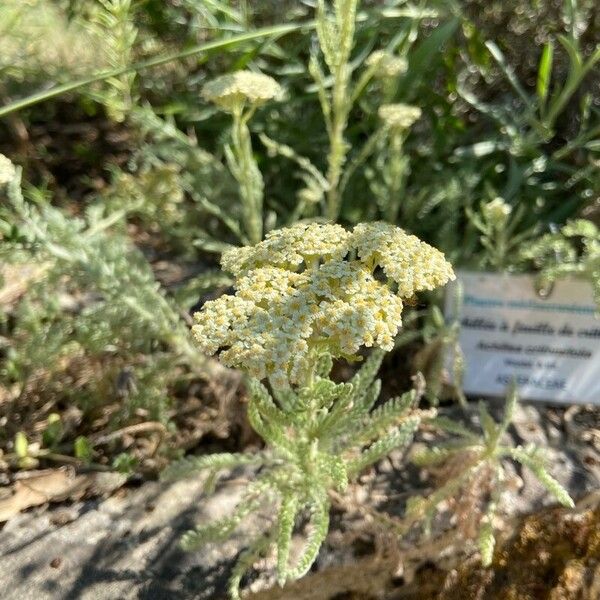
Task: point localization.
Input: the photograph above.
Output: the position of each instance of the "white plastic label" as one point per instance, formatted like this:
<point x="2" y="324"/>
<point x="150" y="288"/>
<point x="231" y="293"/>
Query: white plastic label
<point x="549" y="345"/>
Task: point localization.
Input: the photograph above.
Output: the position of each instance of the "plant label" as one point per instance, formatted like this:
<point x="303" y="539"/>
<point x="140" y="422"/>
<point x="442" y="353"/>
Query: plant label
<point x="549" y="344"/>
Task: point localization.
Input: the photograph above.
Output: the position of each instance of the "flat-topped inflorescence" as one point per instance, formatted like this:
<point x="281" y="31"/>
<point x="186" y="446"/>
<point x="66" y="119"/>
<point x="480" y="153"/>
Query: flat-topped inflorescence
<point x="240" y="88"/>
<point x="399" y="116"/>
<point x="312" y="288"/>
<point x="386" y="64"/>
<point x="497" y="211"/>
<point x="290" y="248"/>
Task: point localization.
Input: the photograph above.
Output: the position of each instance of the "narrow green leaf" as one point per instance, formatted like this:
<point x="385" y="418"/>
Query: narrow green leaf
<point x="488" y="425"/>
<point x="451" y="426"/>
<point x="319" y="526"/>
<point x="486" y="542"/>
<point x="530" y="458"/>
<point x="425" y="57"/>
<point x="555" y="488"/>
<point x="244" y="563"/>
<point x="508" y="71"/>
<point x="544" y="75"/>
<point x="193" y="464"/>
<point x="285" y="528"/>
<point x="436" y="455"/>
<point x="578" y="69"/>
<point x="58" y="90"/>
<point x="398" y="438"/>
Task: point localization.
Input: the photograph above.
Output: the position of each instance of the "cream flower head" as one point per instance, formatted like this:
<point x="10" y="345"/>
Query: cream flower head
<point x="289" y="248"/>
<point x="386" y="65"/>
<point x="236" y="89"/>
<point x="399" y="116"/>
<point x="7" y="170"/>
<point x="411" y="264"/>
<point x="497" y="211"/>
<point x="311" y="288"/>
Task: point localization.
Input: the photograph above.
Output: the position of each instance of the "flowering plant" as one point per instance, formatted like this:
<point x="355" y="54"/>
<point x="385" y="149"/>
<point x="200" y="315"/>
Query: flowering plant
<point x="311" y="289"/>
<point x="305" y="295"/>
<point x="240" y="94"/>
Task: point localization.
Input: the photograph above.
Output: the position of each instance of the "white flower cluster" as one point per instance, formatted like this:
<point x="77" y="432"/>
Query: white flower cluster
<point x="311" y="288"/>
<point x="399" y="116"/>
<point x="7" y="170"/>
<point x="386" y="65"/>
<point x="236" y="89"/>
<point x="289" y="248"/>
<point x="412" y="264"/>
<point x="497" y="211"/>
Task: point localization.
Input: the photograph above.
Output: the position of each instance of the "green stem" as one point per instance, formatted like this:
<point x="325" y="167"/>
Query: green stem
<point x="501" y="247"/>
<point x="365" y="152"/>
<point x="397" y="171"/>
<point x="338" y="147"/>
<point x="248" y="176"/>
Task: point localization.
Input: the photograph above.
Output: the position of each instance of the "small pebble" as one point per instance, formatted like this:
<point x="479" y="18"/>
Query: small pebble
<point x="63" y="517"/>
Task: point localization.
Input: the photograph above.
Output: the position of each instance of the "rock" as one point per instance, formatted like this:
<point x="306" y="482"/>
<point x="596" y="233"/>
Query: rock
<point x="127" y="545"/>
<point x="111" y="548"/>
<point x="36" y="488"/>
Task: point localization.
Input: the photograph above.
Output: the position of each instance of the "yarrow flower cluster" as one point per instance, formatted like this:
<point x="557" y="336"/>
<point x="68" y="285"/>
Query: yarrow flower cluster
<point x="387" y="65"/>
<point x="7" y="170"/>
<point x="236" y="89"/>
<point x="497" y="211"/>
<point x="290" y="248"/>
<point x="312" y="288"/>
<point x="399" y="116"/>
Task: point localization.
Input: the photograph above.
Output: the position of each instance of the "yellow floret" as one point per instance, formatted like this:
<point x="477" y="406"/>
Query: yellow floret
<point x="289" y="248"/>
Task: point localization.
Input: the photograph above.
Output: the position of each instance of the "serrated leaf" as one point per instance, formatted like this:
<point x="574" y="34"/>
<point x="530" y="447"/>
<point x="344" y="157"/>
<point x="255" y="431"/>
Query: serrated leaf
<point x="553" y="486"/>
<point x="486" y="542"/>
<point x="21" y="445"/>
<point x="318" y="528"/>
<point x="83" y="448"/>
<point x="285" y="528"/>
<point x="488" y="425"/>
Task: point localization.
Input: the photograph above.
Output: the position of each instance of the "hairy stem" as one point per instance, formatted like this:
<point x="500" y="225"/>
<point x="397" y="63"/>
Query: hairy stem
<point x="248" y="177"/>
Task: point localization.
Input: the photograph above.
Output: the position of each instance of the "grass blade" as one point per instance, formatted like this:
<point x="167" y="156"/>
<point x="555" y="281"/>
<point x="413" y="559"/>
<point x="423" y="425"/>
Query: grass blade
<point x="508" y="71"/>
<point x="275" y="31"/>
<point x="544" y="75"/>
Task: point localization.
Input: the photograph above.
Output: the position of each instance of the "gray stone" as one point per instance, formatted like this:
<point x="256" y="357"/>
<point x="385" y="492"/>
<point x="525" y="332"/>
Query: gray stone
<point x="126" y="546"/>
